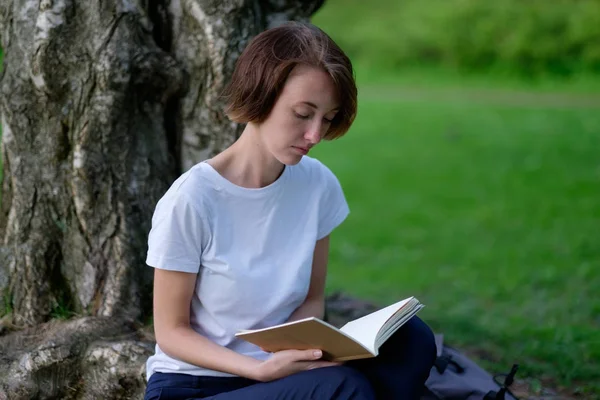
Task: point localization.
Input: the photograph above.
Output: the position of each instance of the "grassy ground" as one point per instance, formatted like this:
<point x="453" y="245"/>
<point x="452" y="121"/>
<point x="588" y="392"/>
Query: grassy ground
<point x="489" y="213"/>
<point x="534" y="38"/>
<point x="480" y="195"/>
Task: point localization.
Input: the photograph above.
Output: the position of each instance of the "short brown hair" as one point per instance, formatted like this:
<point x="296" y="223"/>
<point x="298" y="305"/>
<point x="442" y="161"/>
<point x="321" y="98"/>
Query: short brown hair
<point x="265" y="64"/>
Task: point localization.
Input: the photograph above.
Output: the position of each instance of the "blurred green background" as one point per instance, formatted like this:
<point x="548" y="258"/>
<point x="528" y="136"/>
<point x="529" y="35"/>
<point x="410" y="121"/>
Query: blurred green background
<point x="473" y="175"/>
<point x="533" y="37"/>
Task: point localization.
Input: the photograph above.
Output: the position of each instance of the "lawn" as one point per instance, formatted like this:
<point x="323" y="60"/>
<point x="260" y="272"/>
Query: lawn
<point x="478" y="193"/>
<point x="488" y="213"/>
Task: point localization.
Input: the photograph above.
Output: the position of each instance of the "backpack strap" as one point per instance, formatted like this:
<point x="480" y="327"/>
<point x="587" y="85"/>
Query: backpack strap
<point x="442" y="362"/>
<point x="493" y="395"/>
<point x="508" y="380"/>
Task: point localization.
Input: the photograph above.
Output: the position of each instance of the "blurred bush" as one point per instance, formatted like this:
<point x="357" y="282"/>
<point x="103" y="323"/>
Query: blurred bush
<point x="530" y="37"/>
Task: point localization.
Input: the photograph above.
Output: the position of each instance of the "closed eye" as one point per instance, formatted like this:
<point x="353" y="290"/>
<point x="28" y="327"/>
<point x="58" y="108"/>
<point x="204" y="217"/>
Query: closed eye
<point x="301" y="116"/>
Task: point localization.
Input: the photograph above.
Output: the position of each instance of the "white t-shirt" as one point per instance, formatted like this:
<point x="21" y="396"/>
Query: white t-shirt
<point x="251" y="248"/>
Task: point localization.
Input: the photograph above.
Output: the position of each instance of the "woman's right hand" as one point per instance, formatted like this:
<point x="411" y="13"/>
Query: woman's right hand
<point x="288" y="362"/>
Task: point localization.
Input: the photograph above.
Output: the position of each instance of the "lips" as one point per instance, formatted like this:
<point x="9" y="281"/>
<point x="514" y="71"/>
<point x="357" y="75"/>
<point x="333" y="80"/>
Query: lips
<point x="301" y="150"/>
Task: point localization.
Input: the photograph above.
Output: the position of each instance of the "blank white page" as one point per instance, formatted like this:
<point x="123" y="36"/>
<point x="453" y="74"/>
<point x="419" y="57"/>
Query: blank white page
<point x="364" y="330"/>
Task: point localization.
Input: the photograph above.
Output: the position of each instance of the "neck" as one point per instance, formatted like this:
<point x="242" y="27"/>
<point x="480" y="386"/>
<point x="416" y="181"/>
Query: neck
<point x="247" y="163"/>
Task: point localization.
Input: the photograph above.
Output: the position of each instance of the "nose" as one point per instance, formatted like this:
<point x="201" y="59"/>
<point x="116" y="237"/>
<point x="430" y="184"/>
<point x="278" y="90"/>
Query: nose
<point x="313" y="135"/>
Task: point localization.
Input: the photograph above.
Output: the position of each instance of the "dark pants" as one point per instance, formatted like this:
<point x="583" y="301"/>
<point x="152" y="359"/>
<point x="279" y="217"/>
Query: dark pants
<point x="398" y="372"/>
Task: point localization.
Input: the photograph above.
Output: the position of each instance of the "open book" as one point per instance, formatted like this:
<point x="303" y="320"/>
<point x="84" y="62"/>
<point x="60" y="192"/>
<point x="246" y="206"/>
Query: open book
<point x="360" y="338"/>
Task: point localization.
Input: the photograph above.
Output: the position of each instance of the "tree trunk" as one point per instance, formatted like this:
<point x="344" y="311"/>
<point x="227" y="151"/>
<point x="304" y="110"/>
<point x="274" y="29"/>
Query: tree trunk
<point x="103" y="103"/>
<point x="99" y="357"/>
<point x="85" y="155"/>
<point x="208" y="37"/>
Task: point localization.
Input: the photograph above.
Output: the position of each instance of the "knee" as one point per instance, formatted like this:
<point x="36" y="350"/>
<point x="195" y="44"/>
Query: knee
<point x="423" y="341"/>
<point x="347" y="383"/>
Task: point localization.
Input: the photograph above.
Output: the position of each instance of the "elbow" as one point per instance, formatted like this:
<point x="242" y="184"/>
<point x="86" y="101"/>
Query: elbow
<point x="161" y="336"/>
<point x="161" y="340"/>
<point x="167" y="338"/>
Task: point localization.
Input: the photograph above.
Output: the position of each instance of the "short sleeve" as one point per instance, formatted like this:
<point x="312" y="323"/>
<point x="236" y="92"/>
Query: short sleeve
<point x="175" y="239"/>
<point x="334" y="207"/>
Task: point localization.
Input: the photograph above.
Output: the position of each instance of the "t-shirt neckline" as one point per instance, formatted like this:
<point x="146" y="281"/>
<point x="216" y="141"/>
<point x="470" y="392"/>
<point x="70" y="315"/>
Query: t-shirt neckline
<point x="226" y="184"/>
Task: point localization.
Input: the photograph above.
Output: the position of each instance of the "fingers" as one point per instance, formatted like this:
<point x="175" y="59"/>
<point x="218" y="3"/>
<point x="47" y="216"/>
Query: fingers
<point x="316" y="354"/>
<point x="305" y="355"/>
<point x="322" y="364"/>
<point x="327" y="364"/>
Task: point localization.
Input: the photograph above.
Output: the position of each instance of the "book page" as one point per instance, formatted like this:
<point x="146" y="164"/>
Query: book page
<point x="396" y="322"/>
<point x="364" y="330"/>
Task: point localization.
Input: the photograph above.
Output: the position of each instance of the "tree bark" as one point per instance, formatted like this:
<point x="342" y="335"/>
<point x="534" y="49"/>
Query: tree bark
<point x="208" y="37"/>
<point x="99" y="357"/>
<point x="103" y="103"/>
<point x="85" y="155"/>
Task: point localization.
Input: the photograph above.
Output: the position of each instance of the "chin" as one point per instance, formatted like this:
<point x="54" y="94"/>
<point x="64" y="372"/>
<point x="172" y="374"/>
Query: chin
<point x="290" y="159"/>
<point x="293" y="162"/>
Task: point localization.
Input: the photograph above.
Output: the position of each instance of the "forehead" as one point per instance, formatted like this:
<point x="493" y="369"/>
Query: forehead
<point x="310" y="84"/>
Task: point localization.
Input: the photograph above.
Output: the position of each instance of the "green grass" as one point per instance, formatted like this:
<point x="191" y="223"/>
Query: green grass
<point x="435" y="77"/>
<point x="488" y="214"/>
<point x="477" y="192"/>
<point x="535" y="38"/>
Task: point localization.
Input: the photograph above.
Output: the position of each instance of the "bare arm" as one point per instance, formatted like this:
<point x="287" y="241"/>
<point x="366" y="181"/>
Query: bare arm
<point x="173" y="292"/>
<point x="314" y="304"/>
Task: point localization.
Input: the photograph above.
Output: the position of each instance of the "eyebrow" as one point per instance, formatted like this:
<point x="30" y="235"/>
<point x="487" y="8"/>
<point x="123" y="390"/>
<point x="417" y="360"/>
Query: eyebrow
<point x="313" y="105"/>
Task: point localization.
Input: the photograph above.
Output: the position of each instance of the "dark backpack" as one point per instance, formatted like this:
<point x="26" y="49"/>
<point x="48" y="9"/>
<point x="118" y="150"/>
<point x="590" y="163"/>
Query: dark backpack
<point x="454" y="377"/>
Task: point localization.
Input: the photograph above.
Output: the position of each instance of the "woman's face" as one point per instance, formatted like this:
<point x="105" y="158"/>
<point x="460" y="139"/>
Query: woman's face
<point x="301" y="115"/>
